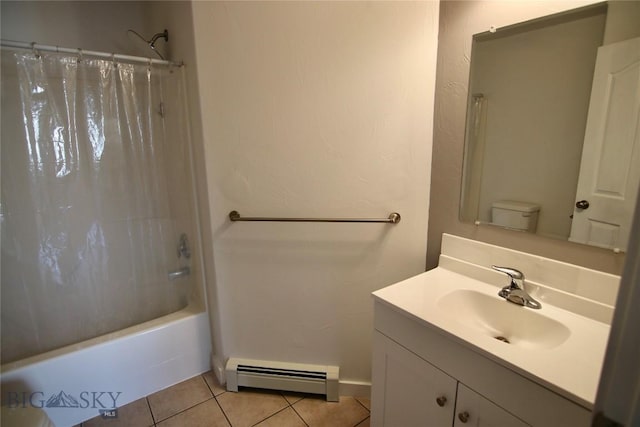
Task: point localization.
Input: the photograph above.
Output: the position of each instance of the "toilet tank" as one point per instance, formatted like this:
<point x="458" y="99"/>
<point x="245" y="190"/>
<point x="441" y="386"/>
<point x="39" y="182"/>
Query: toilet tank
<point x="515" y="215"/>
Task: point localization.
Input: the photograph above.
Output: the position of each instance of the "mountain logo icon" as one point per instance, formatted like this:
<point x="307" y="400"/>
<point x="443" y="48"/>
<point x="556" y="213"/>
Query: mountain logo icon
<point x="62" y="400"/>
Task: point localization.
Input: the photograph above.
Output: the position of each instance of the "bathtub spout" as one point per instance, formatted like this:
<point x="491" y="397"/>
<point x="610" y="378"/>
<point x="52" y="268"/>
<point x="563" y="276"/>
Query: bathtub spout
<point x="175" y="274"/>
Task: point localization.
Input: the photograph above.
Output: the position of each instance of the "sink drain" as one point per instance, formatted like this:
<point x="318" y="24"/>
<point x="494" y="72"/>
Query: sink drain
<point x="503" y="339"/>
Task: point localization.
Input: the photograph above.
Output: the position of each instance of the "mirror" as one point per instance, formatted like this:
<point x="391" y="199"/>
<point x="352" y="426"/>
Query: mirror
<point x="544" y="153"/>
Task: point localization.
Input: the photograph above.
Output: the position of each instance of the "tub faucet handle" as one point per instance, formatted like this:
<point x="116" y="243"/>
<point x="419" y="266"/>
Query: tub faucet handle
<point x="182" y="272"/>
<point x="183" y="246"/>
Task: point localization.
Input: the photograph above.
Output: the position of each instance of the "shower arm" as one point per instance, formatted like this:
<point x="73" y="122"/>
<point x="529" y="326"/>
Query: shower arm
<point x="152" y="42"/>
<point x="164" y="35"/>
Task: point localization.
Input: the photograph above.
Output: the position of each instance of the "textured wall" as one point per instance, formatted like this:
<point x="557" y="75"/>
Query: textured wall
<point x="623" y="17"/>
<point x="459" y="20"/>
<point x="314" y="109"/>
<point x="92" y="25"/>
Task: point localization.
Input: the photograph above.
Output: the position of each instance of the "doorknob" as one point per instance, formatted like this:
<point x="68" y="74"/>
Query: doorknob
<point x="582" y="204"/>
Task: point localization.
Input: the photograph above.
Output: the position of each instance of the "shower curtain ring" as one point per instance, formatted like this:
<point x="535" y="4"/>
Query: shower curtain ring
<point x="35" y="51"/>
<point x="113" y="60"/>
<point x="79" y="55"/>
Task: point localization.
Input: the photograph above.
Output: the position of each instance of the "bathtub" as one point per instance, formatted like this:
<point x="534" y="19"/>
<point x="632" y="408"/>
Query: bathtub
<point x="81" y="381"/>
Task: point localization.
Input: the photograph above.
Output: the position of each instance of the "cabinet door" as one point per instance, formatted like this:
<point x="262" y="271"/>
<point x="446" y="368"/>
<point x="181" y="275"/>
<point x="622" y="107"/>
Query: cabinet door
<point x="474" y="410"/>
<point x="408" y="391"/>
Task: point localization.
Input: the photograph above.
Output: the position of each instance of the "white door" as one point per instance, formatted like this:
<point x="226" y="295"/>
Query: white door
<point x="610" y="167"/>
<point x="407" y="390"/>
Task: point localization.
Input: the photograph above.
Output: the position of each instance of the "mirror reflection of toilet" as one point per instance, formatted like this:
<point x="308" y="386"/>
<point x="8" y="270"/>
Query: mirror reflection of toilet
<point x="515" y="215"/>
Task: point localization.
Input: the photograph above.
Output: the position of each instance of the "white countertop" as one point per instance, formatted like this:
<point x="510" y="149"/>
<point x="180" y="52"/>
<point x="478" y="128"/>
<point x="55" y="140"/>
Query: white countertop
<point x="571" y="368"/>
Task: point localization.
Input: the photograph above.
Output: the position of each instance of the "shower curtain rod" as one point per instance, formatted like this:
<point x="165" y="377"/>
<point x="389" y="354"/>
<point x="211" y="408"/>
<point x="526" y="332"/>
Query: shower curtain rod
<point x="81" y="53"/>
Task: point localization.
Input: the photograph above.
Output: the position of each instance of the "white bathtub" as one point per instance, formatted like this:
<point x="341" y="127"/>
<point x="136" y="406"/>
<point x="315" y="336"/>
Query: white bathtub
<point x="119" y="367"/>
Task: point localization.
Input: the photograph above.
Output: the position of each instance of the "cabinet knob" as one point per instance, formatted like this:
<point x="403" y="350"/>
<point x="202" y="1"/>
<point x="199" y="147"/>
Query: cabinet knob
<point x="441" y="400"/>
<point x="463" y="416"/>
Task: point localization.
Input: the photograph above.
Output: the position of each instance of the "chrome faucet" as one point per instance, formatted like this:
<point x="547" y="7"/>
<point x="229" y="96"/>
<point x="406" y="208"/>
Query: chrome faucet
<point x="514" y="292"/>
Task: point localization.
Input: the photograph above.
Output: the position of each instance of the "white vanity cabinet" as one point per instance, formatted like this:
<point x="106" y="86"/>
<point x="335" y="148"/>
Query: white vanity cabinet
<point x="409" y="391"/>
<point x="424" y="377"/>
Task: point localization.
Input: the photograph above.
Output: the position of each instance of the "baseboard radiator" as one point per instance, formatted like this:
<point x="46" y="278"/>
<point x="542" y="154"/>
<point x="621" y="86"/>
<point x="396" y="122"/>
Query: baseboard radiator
<point x="316" y="379"/>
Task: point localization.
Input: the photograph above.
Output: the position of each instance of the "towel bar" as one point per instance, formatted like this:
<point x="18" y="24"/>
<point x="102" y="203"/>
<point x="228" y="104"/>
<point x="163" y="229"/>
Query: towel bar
<point x="393" y="218"/>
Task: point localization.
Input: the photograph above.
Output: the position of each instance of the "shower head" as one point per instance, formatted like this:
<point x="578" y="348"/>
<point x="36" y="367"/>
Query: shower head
<point x="151" y="43"/>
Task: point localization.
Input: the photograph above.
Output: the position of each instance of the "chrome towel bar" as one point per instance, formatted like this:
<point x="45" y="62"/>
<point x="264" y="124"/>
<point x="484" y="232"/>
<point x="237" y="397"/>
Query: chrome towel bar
<point x="393" y="218"/>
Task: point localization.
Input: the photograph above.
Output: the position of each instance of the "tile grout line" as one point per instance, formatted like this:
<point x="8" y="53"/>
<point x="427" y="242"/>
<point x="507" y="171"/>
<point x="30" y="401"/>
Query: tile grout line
<point x="294" y="409"/>
<point x="189" y="408"/>
<point x="361" y="404"/>
<point x="368" y="412"/>
<point x="272" y="415"/>
<point x="221" y="408"/>
<point x="298" y="414"/>
<point x="361" y="421"/>
<point x="146" y="399"/>
<point x="186" y="409"/>
<point x="213" y="393"/>
<point x="207" y="383"/>
<point x="288" y="405"/>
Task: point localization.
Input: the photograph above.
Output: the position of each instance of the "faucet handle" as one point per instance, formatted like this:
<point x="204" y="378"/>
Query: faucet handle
<point x="514" y="291"/>
<point x="511" y="272"/>
<point x="516" y="277"/>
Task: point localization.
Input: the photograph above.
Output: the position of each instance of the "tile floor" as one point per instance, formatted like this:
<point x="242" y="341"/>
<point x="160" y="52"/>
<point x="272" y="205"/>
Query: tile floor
<point x="201" y="401"/>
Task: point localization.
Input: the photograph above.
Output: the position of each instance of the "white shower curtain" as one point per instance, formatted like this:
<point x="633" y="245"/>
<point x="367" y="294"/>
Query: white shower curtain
<point x="473" y="158"/>
<point x="89" y="222"/>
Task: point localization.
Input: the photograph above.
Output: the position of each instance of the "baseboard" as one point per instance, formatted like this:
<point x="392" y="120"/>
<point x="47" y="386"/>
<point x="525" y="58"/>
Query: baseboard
<point x="355" y="389"/>
<point x="218" y="369"/>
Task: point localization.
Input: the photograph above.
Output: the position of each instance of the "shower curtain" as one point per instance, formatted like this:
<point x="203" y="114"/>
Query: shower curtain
<point x="473" y="158"/>
<point x="94" y="198"/>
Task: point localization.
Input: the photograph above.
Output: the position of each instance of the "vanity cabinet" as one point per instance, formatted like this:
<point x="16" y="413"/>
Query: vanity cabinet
<point x="409" y="391"/>
<point x="425" y="377"/>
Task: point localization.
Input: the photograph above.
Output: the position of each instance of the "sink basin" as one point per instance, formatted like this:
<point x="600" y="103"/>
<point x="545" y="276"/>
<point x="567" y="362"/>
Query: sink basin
<point x="561" y="346"/>
<point x="505" y="321"/>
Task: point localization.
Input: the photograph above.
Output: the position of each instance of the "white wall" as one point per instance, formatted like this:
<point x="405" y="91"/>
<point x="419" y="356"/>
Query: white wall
<point x="622" y="21"/>
<point x="92" y="25"/>
<point x="314" y="109"/>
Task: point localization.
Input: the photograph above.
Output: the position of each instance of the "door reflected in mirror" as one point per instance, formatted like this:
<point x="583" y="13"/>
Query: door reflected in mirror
<point x="544" y="152"/>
